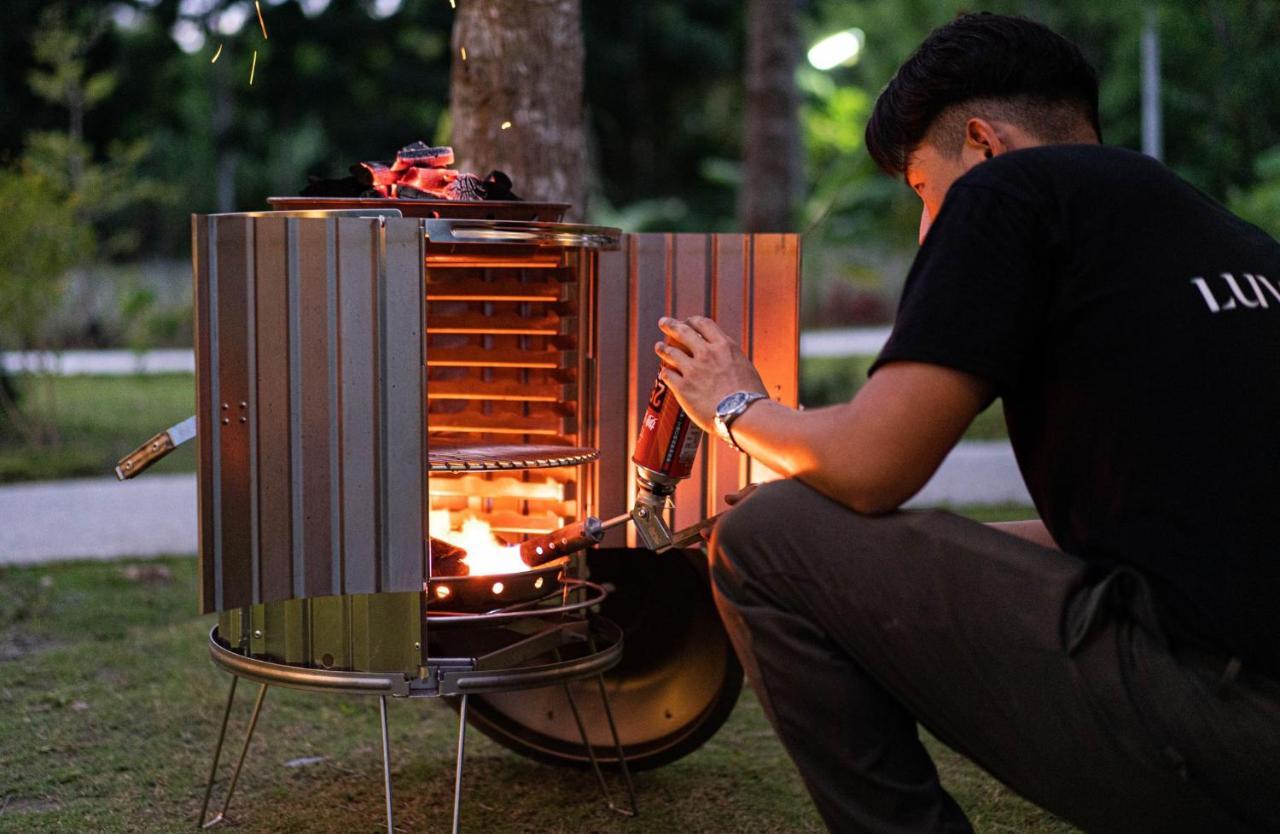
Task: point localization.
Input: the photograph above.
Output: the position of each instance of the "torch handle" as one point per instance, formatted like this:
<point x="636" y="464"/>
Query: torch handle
<point x="557" y="543"/>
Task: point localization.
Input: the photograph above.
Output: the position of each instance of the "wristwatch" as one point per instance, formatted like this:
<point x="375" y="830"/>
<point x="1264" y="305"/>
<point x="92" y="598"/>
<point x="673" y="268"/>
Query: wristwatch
<point x="730" y="409"/>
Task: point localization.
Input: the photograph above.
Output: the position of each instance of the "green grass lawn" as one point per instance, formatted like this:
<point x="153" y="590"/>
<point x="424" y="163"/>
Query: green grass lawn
<point x="831" y="380"/>
<point x="109" y="707"/>
<point x="99" y="419"/>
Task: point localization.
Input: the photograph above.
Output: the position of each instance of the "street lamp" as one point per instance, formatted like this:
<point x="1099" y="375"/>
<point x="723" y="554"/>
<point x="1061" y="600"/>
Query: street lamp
<point x="839" y="50"/>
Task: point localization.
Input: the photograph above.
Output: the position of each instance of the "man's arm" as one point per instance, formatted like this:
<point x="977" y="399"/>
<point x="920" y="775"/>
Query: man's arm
<point x="870" y="454"/>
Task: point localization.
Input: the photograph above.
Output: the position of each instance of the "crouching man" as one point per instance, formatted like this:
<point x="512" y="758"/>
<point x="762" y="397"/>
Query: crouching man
<point x="1115" y="661"/>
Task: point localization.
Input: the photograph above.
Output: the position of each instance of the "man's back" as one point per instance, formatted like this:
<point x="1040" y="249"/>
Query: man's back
<point x="1132" y="327"/>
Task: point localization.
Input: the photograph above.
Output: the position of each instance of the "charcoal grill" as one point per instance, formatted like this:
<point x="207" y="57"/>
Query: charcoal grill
<point x="358" y="369"/>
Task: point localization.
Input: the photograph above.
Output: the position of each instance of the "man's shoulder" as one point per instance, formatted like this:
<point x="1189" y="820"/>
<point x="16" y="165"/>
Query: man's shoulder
<point x="1050" y="168"/>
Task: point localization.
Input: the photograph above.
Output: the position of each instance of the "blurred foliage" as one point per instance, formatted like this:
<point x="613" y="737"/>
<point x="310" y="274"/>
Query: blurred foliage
<point x="342" y="81"/>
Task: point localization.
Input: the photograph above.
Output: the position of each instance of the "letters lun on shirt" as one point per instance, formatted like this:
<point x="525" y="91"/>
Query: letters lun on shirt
<point x="1237" y="295"/>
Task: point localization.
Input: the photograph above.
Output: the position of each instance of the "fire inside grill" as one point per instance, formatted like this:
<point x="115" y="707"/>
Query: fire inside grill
<point x="419" y="171"/>
<point x="472" y="550"/>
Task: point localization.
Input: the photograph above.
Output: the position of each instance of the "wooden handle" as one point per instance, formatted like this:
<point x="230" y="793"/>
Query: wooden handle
<point x="142" y="457"/>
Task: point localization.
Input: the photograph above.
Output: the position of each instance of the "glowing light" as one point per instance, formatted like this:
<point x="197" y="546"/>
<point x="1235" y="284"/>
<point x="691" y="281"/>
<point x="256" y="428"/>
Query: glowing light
<point x="453" y="4"/>
<point x="464" y="53"/>
<point x="442" y="591"/>
<point x="253" y="67"/>
<point x="485" y="554"/>
<point x="840" y="49"/>
<point x="506" y="125"/>
<point x="498" y="587"/>
<point x="188" y="35"/>
<point x="537" y="583"/>
<point x="217" y="55"/>
<point x="261" y="22"/>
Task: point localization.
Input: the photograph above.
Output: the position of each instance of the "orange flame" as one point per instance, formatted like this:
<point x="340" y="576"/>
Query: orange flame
<point x="485" y="554"/>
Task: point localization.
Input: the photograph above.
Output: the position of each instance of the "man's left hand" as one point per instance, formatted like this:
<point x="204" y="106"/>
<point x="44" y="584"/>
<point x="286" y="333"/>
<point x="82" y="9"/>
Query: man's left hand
<point x="703" y="367"/>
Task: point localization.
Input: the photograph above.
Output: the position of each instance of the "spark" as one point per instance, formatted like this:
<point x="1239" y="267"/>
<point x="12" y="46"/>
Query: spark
<point x="253" y="67"/>
<point x="453" y="4"/>
<point x="217" y="54"/>
<point x="464" y="53"/>
<point x="506" y="125"/>
<point x="261" y="22"/>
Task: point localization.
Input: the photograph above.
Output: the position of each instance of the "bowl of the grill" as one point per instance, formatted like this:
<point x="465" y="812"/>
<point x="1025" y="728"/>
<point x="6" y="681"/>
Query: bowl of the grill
<point x="493" y="592"/>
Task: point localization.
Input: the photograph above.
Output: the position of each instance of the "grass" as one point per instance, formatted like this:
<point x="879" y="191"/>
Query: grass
<point x="830" y="380"/>
<point x="109" y="708"/>
<point x="99" y="419"/>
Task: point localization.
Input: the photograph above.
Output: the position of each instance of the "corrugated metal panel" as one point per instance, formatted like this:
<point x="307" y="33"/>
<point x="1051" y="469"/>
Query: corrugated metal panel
<point x="750" y="284"/>
<point x="312" y="477"/>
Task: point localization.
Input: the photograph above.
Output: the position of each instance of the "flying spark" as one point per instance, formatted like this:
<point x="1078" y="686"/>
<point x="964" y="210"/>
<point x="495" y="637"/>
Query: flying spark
<point x="453" y="4"/>
<point x="464" y="53"/>
<point x="261" y="22"/>
<point x="506" y="125"/>
<point x="253" y="67"/>
<point x="217" y="54"/>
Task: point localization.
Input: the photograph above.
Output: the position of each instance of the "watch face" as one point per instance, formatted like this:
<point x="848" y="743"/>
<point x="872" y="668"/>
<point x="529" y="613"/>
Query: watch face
<point x="731" y="403"/>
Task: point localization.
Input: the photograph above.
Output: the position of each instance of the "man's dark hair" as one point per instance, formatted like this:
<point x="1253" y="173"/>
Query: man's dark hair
<point x="1012" y="68"/>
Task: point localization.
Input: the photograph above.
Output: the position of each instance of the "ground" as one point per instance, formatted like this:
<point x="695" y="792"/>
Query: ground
<point x="109" y="708"/>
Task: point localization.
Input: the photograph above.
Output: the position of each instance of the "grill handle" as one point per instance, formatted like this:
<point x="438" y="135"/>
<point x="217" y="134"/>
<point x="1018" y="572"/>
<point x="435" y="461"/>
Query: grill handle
<point x="521" y="233"/>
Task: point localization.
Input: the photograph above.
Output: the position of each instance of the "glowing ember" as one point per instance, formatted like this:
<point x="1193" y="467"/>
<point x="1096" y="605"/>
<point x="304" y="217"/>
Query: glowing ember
<point x="506" y="125"/>
<point x="217" y="55"/>
<point x="253" y="67"/>
<point x="261" y="22"/>
<point x="464" y="53"/>
<point x="485" y="554"/>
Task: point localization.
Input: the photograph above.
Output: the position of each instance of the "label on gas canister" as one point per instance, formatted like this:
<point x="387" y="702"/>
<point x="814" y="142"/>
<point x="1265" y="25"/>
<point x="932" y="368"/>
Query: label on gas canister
<point x="668" y="440"/>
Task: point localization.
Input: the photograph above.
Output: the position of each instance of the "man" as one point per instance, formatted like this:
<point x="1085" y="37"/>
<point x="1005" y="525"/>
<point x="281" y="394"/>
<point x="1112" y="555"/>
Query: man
<point x="1116" y="661"/>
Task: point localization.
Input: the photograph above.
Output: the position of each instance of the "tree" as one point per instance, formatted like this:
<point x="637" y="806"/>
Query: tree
<point x="516" y="98"/>
<point x="772" y="173"/>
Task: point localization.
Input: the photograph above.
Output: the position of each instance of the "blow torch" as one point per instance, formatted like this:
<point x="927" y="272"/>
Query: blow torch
<point x="665" y="448"/>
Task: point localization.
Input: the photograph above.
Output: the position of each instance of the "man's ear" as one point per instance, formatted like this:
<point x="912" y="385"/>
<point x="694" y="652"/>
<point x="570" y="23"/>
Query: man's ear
<point x="981" y="137"/>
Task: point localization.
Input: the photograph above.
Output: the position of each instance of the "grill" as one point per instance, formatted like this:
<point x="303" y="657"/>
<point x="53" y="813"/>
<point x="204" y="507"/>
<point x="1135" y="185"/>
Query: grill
<point x="364" y="376"/>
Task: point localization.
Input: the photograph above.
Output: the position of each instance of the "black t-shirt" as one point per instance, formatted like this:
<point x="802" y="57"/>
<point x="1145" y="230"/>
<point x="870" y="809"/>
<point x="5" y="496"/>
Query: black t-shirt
<point x="1131" y="326"/>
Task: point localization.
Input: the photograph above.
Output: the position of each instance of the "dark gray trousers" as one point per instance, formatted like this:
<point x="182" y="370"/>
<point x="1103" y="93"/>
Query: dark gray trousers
<point x="1055" y="678"/>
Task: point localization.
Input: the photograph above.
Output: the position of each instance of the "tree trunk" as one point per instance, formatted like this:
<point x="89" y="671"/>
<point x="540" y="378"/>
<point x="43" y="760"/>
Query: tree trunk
<point x="523" y="68"/>
<point x="772" y="168"/>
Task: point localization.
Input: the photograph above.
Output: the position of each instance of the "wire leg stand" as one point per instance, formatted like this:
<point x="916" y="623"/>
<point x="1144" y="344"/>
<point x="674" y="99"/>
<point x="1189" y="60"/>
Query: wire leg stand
<point x="244" y="751"/>
<point x="457" y="772"/>
<point x="217" y="752"/>
<point x="386" y="760"/>
<point x="595" y="762"/>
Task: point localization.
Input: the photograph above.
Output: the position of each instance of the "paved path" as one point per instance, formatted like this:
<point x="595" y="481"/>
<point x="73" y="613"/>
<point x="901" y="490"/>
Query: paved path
<point x="99" y="518"/>
<point x="102" y="518"/>
<point x="101" y="362"/>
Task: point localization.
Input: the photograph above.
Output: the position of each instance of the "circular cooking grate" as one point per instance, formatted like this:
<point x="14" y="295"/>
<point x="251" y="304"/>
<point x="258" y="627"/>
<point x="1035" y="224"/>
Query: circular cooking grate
<point x="454" y="456"/>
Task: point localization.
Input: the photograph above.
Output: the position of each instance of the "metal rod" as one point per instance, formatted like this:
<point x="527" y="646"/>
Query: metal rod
<point x="386" y="761"/>
<point x="634" y="810"/>
<point x="217" y="752"/>
<point x="586" y="742"/>
<point x="248" y="737"/>
<point x="457" y="770"/>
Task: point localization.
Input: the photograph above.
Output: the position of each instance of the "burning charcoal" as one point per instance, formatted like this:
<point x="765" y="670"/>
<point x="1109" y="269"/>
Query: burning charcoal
<point x="497" y="186"/>
<point x="446" y="559"/>
<point x="433" y="180"/>
<point x="419" y="154"/>
<point x="465" y="187"/>
<point x="374" y="173"/>
<point x="345" y="187"/>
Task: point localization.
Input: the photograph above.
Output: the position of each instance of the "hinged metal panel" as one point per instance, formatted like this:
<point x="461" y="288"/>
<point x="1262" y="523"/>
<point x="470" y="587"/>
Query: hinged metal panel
<point x="311" y="393"/>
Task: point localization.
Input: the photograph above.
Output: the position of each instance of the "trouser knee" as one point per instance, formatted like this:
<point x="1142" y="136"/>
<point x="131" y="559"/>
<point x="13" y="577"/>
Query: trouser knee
<point x="749" y="537"/>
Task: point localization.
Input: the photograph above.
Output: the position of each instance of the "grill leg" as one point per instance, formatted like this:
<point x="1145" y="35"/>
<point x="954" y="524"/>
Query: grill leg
<point x="217" y="752"/>
<point x="634" y="809"/>
<point x="386" y="761"/>
<point x="244" y="750"/>
<point x="457" y="771"/>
